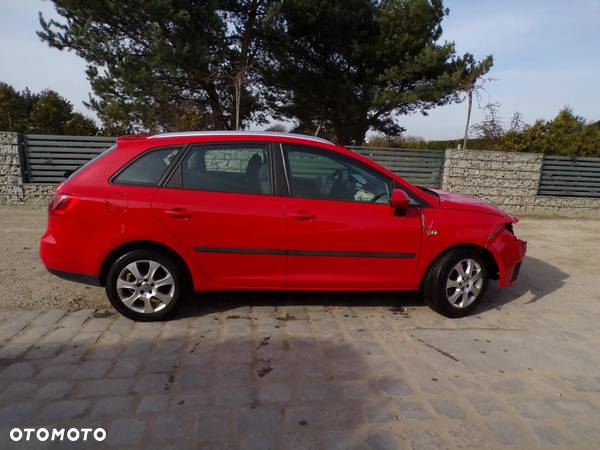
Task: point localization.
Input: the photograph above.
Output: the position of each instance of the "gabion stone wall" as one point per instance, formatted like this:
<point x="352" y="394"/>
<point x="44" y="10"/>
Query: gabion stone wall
<point x="12" y="189"/>
<point x="11" y="186"/>
<point x="510" y="180"/>
<point x="38" y="194"/>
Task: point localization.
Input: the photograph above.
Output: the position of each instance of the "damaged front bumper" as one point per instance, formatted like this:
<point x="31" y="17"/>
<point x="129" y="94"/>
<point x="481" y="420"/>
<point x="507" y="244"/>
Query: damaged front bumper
<point x="509" y="252"/>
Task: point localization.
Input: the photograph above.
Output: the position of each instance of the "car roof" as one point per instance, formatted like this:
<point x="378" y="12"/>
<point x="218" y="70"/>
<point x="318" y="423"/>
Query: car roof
<point x="239" y="133"/>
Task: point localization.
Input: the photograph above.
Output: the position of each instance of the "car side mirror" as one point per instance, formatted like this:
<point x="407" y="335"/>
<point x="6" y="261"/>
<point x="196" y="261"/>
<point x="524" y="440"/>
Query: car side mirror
<point x="399" y="200"/>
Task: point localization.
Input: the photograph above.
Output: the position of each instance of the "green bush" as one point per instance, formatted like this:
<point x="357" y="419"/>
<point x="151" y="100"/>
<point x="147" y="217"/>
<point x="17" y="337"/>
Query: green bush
<point x="567" y="134"/>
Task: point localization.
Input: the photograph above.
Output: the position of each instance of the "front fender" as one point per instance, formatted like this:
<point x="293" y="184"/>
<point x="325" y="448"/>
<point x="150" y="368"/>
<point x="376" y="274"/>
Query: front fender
<point x="444" y="229"/>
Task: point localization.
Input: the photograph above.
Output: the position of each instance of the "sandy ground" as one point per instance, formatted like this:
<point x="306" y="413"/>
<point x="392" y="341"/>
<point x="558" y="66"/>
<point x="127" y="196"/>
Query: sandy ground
<point x="561" y="252"/>
<point x="24" y="281"/>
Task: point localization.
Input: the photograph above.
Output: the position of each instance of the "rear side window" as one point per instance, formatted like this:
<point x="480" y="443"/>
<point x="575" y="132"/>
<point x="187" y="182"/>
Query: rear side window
<point x="148" y="169"/>
<point x="239" y="168"/>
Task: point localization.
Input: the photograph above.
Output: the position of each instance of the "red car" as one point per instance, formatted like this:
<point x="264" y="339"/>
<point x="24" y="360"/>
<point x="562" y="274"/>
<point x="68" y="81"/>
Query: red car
<point x="155" y="216"/>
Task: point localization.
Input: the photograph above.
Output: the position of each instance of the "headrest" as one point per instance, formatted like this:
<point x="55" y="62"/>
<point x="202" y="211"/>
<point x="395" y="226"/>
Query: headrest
<point x="196" y="162"/>
<point x="254" y="165"/>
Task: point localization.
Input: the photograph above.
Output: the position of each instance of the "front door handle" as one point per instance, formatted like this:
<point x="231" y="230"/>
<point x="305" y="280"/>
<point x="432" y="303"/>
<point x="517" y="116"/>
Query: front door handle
<point x="178" y="213"/>
<point x="303" y="215"/>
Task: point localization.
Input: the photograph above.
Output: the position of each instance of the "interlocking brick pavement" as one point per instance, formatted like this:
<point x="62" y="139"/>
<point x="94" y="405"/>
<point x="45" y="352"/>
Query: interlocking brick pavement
<point x="359" y="372"/>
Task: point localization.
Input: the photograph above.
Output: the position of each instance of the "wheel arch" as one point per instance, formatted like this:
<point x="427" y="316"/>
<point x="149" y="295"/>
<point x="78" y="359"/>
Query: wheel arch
<point x="146" y="245"/>
<point x="490" y="260"/>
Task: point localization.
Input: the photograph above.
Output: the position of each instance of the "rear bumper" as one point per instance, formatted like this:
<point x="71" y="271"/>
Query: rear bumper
<point x="68" y="258"/>
<point x="77" y="277"/>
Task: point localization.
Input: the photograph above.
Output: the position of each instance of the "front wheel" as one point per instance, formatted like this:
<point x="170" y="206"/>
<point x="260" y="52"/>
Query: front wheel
<point x="144" y="285"/>
<point x="456" y="283"/>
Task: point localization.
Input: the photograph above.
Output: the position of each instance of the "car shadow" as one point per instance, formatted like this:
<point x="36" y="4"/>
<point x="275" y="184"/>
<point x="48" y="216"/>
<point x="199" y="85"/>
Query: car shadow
<point x="537" y="277"/>
<point x="213" y="302"/>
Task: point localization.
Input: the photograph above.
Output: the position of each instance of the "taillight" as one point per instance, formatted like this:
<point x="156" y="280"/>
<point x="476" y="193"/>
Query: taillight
<point x="62" y="204"/>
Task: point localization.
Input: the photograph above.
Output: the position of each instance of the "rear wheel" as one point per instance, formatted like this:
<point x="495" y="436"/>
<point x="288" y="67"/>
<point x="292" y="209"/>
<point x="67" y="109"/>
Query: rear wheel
<point x="144" y="285"/>
<point x="456" y="282"/>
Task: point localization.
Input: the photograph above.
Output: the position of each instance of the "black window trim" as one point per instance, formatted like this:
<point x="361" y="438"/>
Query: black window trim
<point x="420" y="203"/>
<point x="169" y="183"/>
<point x="283" y="168"/>
<point x="179" y="148"/>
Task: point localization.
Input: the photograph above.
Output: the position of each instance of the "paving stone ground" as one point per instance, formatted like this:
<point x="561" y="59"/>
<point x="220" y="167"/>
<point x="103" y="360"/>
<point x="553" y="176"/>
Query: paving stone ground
<point x="326" y="371"/>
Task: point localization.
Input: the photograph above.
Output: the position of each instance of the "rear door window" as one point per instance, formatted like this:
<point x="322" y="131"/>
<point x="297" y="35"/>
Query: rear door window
<point x="239" y="168"/>
<point x="148" y="169"/>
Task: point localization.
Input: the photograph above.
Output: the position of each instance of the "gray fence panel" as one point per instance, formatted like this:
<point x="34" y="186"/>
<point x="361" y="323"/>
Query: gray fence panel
<point x="422" y="167"/>
<point x="49" y="157"/>
<point x="570" y="176"/>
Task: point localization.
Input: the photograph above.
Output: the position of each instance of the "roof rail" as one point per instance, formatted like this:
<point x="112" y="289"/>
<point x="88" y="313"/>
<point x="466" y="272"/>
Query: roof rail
<point x="239" y="133"/>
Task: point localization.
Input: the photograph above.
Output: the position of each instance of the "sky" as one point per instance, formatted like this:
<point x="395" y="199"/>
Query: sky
<point x="546" y="56"/>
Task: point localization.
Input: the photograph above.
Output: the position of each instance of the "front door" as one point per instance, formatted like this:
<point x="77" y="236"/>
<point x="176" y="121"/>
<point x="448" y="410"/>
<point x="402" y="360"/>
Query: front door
<point x="220" y="205"/>
<point x="342" y="233"/>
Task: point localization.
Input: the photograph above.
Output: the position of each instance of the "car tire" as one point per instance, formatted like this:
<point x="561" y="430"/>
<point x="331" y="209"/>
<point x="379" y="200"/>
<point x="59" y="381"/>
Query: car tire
<point x="145" y="285"/>
<point x="456" y="282"/>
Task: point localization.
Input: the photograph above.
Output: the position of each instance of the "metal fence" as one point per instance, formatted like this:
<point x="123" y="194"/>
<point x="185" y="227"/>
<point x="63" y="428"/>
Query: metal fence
<point x="570" y="176"/>
<point x="49" y="157"/>
<point x="421" y="167"/>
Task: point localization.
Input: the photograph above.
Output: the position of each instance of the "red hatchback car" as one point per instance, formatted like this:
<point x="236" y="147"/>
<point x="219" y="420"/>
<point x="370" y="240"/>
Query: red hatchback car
<point x="155" y="216"/>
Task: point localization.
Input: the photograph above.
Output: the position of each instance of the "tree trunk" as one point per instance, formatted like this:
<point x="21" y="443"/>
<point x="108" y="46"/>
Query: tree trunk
<point x="238" y="85"/>
<point x="351" y="135"/>
<point x="244" y="61"/>
<point x="217" y="116"/>
<point x="469" y="106"/>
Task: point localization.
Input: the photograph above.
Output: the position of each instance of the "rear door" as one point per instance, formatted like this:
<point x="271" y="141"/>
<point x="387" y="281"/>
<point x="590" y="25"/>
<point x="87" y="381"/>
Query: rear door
<point x="342" y="232"/>
<point x="219" y="204"/>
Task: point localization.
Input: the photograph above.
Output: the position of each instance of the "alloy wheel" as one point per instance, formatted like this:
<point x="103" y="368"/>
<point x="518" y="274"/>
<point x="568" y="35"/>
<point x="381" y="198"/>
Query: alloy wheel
<point x="145" y="286"/>
<point x="464" y="283"/>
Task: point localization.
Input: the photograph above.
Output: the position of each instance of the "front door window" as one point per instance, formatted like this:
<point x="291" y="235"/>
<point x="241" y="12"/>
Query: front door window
<point x="327" y="176"/>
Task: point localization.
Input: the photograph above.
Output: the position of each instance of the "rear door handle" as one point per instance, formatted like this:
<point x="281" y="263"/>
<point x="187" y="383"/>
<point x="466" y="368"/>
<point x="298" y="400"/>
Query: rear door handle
<point x="303" y="215"/>
<point x="178" y="213"/>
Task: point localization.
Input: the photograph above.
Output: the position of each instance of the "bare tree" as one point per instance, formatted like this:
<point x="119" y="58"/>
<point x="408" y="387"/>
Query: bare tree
<point x="491" y="127"/>
<point x="247" y="29"/>
<point x="474" y="90"/>
<point x="474" y="86"/>
<point x="517" y="124"/>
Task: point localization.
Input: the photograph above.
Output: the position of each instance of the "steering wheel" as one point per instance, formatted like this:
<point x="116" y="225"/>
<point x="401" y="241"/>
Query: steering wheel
<point x="377" y="197"/>
<point x="337" y="175"/>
